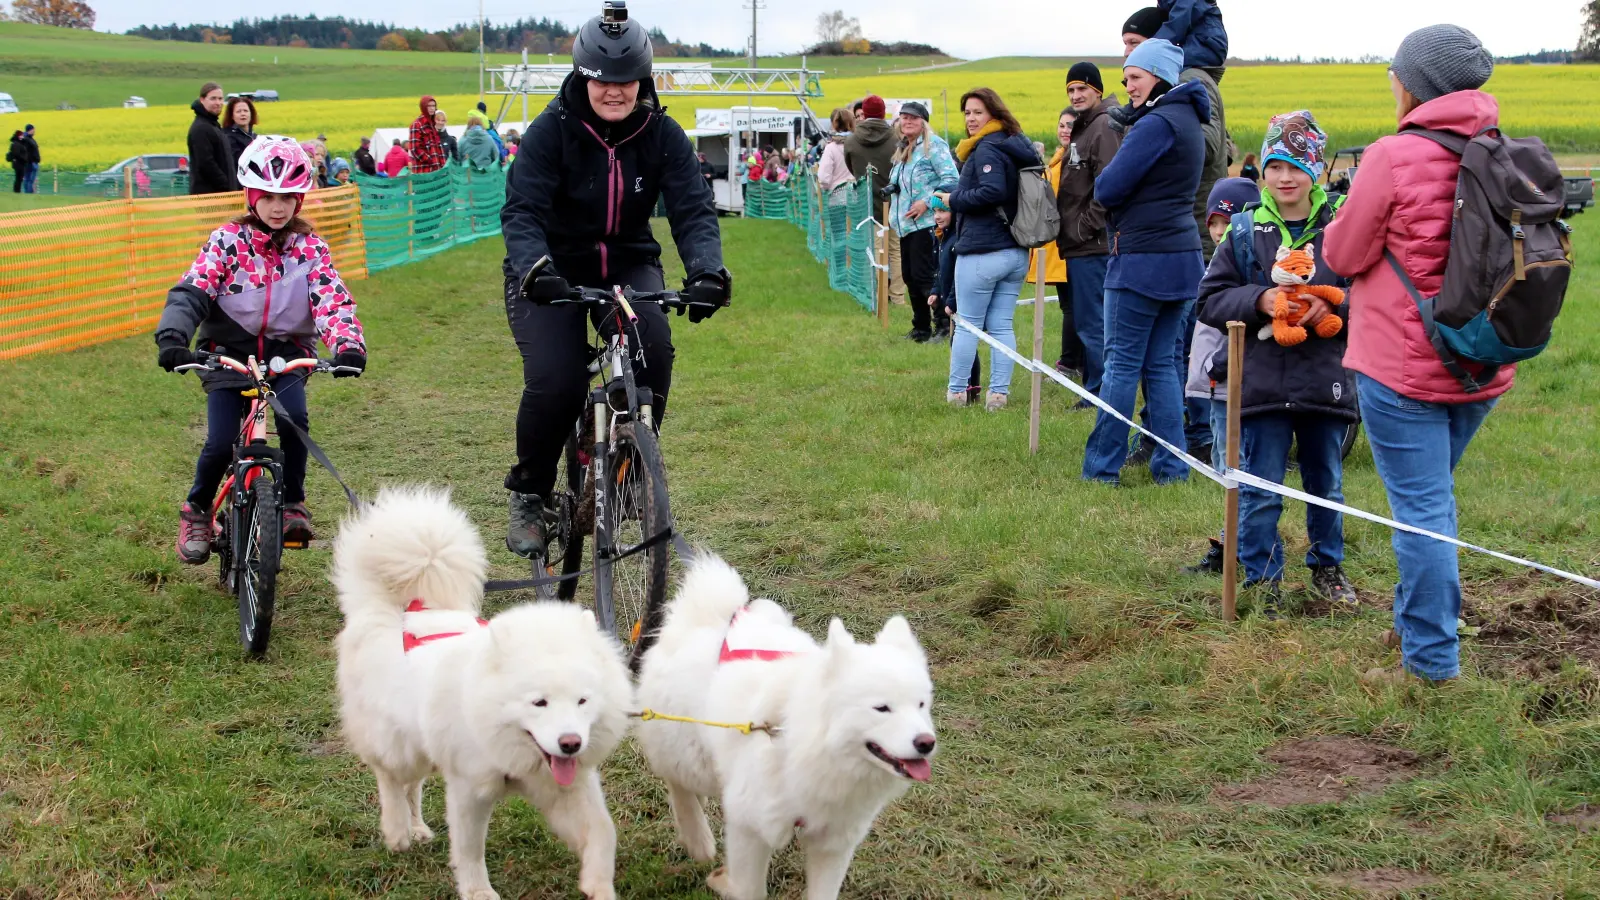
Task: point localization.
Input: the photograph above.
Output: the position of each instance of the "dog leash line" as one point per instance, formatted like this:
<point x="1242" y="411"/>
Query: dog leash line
<point x="745" y="728"/>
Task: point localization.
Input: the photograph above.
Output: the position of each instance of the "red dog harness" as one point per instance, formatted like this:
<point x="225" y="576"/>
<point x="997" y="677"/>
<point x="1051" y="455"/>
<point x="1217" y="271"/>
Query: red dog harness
<point x="413" y="641"/>
<point x="745" y="643"/>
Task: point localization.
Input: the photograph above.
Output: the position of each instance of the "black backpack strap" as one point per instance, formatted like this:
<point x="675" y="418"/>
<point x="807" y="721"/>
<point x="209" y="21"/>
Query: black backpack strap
<point x="1455" y="143"/>
<point x="1429" y="327"/>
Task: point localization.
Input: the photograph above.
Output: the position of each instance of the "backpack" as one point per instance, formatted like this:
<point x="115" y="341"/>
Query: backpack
<point x="1037" y="221"/>
<point x="1510" y="256"/>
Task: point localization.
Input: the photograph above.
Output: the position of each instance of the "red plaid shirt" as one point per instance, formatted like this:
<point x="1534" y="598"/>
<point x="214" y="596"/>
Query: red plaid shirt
<point x="427" y="151"/>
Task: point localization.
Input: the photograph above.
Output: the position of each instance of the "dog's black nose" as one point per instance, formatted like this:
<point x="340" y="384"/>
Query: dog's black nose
<point x="923" y="743"/>
<point x="571" y="743"/>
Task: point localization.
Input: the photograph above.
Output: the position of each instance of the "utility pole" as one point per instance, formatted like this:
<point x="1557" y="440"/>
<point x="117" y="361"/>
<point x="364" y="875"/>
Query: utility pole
<point x="480" y="49"/>
<point x="753" y="6"/>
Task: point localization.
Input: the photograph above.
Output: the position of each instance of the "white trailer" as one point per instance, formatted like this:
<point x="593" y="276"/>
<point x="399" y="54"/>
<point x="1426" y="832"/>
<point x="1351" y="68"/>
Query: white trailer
<point x="727" y="135"/>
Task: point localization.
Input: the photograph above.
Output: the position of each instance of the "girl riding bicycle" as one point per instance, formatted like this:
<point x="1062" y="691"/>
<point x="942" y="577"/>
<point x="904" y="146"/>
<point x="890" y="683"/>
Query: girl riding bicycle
<point x="263" y="285"/>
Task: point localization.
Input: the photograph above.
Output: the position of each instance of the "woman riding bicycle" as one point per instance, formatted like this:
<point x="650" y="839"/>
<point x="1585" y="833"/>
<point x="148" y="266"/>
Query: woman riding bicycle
<point x="581" y="191"/>
<point x="263" y="285"/>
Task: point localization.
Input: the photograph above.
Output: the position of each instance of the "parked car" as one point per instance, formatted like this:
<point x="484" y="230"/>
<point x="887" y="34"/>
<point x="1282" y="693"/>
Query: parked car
<point x="135" y="102"/>
<point x="1579" y="195"/>
<point x="8" y="105"/>
<point x="169" y="172"/>
<point x="260" y="96"/>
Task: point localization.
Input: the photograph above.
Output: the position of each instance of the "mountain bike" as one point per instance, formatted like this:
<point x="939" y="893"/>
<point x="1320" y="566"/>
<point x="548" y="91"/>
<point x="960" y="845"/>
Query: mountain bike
<point x="611" y="484"/>
<point x="247" y="515"/>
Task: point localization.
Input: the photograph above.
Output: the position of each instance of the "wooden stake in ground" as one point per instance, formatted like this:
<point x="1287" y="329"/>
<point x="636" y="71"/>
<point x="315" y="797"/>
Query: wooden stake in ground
<point x="883" y="270"/>
<point x="1230" y="521"/>
<point x="1038" y="352"/>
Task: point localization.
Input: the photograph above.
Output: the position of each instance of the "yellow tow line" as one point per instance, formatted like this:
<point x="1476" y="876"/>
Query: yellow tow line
<point x="646" y="715"/>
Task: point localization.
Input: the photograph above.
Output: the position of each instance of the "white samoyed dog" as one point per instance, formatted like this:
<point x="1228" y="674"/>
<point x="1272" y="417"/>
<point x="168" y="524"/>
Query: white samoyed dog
<point x="529" y="702"/>
<point x="853" y="728"/>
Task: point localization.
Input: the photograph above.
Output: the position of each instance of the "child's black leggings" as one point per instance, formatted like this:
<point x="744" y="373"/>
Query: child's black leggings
<point x="225" y="411"/>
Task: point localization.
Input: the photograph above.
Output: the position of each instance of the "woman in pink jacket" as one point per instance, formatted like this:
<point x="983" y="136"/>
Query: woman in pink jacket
<point x="1418" y="418"/>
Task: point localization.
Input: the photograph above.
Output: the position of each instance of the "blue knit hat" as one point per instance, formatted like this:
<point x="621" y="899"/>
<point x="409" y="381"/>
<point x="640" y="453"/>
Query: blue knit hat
<point x="1295" y="138"/>
<point x="1160" y="58"/>
<point x="1230" y="196"/>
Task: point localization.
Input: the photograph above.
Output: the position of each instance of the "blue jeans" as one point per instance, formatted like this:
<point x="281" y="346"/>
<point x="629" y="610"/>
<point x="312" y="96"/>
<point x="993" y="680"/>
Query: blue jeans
<point x="1217" y="412"/>
<point x="225" y="411"/>
<point x="1416" y="446"/>
<point x="1141" y="341"/>
<point x="29" y="180"/>
<point x="987" y="285"/>
<point x="1086" y="282"/>
<point x="1264" y="441"/>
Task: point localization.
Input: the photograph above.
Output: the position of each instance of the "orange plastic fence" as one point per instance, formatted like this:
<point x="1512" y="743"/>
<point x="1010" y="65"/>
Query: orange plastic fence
<point x="73" y="276"/>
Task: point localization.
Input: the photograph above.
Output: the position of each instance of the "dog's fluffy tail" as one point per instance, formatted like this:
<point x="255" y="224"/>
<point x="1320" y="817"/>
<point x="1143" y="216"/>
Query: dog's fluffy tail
<point x="410" y="543"/>
<point x="711" y="593"/>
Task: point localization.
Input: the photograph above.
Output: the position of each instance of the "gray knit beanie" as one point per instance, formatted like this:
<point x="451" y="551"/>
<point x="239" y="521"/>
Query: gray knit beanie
<point x="1441" y="59"/>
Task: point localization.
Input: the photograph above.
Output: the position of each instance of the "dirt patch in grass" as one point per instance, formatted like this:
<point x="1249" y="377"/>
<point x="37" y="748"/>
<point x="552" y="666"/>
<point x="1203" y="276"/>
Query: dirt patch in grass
<point x="1583" y="818"/>
<point x="1533" y="634"/>
<point x="1324" y="770"/>
<point x="1383" y="882"/>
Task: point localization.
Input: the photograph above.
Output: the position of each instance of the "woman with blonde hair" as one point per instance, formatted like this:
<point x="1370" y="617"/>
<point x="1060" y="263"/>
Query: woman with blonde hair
<point x="922" y="166"/>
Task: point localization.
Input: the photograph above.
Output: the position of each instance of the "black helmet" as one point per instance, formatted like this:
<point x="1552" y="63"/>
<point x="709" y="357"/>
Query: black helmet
<point x="611" y="48"/>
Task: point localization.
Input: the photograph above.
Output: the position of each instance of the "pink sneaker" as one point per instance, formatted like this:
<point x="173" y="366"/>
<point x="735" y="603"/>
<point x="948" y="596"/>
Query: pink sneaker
<point x="194" y="534"/>
<point x="297" y="525"/>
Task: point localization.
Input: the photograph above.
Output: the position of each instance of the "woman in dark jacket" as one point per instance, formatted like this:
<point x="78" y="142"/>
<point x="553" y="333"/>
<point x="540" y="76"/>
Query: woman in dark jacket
<point x="1298" y="393"/>
<point x="581" y="191"/>
<point x="989" y="264"/>
<point x="211" y="164"/>
<point x="1155" y="269"/>
<point x="17" y="155"/>
<point x="240" y="125"/>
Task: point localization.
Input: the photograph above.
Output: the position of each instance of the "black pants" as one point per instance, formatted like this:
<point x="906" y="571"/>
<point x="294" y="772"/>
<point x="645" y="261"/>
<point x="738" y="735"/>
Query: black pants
<point x="919" y="267"/>
<point x="554" y="342"/>
<point x="22" y="173"/>
<point x="1071" y="344"/>
<point x="225" y="411"/>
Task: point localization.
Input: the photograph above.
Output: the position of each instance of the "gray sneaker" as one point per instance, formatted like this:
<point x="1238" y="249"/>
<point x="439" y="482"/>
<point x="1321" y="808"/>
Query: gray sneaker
<point x="194" y="534"/>
<point x="1330" y="583"/>
<point x="525" y="529"/>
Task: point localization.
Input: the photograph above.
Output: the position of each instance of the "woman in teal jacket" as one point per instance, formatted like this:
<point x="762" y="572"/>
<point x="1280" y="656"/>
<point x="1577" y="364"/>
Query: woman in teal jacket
<point x="922" y="166"/>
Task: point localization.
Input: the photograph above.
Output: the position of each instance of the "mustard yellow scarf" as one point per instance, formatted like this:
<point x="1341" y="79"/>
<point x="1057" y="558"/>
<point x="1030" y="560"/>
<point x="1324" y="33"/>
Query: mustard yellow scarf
<point x="964" y="149"/>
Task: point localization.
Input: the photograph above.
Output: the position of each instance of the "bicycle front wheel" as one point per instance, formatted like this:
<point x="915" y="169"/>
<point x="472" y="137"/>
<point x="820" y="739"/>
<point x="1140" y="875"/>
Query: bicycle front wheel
<point x="258" y="544"/>
<point x="631" y="593"/>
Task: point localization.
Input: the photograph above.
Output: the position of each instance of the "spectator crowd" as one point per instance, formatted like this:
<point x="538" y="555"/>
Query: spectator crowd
<point x="1159" y="249"/>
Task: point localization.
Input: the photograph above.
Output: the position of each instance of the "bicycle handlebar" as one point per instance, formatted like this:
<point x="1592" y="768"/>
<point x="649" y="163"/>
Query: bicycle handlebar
<point x="210" y="362"/>
<point x="617" y="296"/>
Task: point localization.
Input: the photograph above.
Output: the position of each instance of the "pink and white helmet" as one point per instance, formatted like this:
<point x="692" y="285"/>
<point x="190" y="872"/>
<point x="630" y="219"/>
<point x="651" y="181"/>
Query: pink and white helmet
<point x="276" y="164"/>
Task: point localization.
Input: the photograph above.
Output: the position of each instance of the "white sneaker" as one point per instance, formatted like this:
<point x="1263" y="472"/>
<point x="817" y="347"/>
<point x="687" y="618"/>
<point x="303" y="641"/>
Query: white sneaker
<point x="956" y="398"/>
<point x="996" y="402"/>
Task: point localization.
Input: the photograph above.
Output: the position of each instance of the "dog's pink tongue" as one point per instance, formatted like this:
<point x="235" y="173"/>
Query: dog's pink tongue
<point x="563" y="769"/>
<point x="918" y="769"/>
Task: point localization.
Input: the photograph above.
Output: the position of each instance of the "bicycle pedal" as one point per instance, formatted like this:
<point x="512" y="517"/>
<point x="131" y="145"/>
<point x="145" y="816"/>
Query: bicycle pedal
<point x="296" y="545"/>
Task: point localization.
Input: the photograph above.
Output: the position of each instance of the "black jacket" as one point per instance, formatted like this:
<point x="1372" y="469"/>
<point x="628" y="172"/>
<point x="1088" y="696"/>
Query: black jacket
<point x="211" y="164"/>
<point x="17" y="155"/>
<point x="985" y="198"/>
<point x="449" y="142"/>
<point x="365" y="164"/>
<point x="238" y="139"/>
<point x="582" y="190"/>
<point x="1307" y="378"/>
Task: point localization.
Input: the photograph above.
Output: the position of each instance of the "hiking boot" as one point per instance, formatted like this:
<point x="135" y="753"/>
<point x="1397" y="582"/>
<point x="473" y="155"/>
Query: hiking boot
<point x="941" y="331"/>
<point x="525" y="530"/>
<point x="297" y="525"/>
<point x="1330" y="583"/>
<point x="1390" y="638"/>
<point x="1141" y="454"/>
<point x="958" y="398"/>
<point x="1210" y="564"/>
<point x="1201" y="452"/>
<point x="194" y="534"/>
<point x="1069" y="371"/>
<point x="919" y="335"/>
<point x="1269" y="599"/>
<point x="995" y="403"/>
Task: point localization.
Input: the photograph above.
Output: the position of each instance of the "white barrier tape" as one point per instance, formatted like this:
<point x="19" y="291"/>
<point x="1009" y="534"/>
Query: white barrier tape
<point x="1235" y="477"/>
<point x="1028" y="301"/>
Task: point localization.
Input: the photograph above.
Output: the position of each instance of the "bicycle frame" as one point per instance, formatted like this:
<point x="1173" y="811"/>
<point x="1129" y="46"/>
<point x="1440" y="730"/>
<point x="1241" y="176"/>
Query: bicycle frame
<point x="616" y="367"/>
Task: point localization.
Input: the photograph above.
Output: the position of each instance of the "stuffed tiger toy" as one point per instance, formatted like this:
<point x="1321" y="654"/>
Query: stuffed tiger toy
<point x="1293" y="270"/>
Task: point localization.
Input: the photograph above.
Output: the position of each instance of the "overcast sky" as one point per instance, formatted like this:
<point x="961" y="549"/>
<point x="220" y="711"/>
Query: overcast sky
<point x="966" y="28"/>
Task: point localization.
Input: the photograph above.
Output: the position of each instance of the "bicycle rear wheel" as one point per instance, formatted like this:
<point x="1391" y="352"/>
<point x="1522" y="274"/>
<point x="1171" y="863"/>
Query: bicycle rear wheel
<point x="259" y="546"/>
<point x="634" y="510"/>
<point x="565" y="525"/>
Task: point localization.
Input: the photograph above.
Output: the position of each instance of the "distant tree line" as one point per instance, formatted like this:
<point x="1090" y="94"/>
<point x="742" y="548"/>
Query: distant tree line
<point x="860" y="46"/>
<point x="535" y="35"/>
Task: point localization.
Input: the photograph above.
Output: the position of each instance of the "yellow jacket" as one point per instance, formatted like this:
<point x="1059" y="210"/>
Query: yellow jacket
<point x="1055" y="269"/>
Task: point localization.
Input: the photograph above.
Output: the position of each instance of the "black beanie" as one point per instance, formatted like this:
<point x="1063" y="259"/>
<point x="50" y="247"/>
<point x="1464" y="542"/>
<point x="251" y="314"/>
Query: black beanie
<point x="1087" y="73"/>
<point x="1146" y="22"/>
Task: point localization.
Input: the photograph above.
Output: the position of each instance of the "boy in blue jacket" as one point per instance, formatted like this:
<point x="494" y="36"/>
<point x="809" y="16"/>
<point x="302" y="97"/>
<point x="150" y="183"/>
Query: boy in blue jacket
<point x="944" y="284"/>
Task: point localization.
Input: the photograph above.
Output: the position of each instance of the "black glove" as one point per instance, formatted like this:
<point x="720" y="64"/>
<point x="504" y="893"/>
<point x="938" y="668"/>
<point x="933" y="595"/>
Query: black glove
<point x="547" y="288"/>
<point x="174" y="355"/>
<point x="355" y="359"/>
<point x="706" y="293"/>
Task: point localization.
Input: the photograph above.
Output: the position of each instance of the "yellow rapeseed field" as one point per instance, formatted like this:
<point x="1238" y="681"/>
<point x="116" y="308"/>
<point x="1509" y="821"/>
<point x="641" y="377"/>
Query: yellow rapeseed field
<point x="1351" y="101"/>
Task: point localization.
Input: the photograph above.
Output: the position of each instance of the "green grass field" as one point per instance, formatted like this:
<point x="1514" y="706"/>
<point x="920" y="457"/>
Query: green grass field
<point x="1097" y="718"/>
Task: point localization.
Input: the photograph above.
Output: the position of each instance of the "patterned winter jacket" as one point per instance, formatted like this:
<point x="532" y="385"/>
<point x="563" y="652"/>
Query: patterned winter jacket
<point x="247" y="298"/>
<point x="930" y="168"/>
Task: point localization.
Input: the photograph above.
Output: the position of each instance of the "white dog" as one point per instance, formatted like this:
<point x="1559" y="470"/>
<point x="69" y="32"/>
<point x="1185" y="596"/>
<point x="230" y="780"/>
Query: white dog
<point x="530" y="702"/>
<point x="853" y="728"/>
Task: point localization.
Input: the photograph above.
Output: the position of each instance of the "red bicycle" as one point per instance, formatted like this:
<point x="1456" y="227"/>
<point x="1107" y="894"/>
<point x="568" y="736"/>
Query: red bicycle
<point x="247" y="517"/>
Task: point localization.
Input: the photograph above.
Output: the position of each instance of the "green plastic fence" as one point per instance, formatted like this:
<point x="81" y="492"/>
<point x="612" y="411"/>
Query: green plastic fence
<point x="412" y="217"/>
<point x="833" y="225"/>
